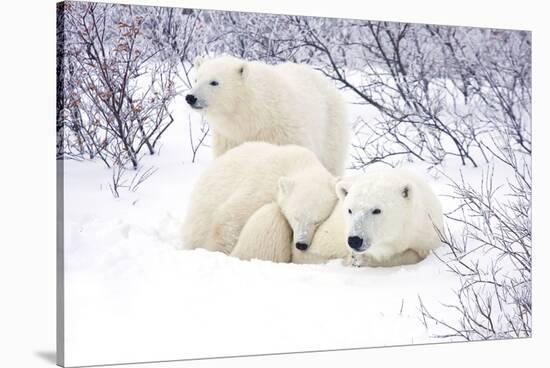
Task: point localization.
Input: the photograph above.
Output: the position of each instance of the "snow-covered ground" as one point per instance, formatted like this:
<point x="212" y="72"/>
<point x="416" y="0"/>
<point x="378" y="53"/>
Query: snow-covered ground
<point x="132" y="293"/>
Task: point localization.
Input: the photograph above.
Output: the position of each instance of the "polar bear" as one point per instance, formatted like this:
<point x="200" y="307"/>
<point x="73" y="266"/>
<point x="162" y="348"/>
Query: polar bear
<point x="294" y="228"/>
<point x="266" y="236"/>
<point x="282" y="104"/>
<point x="393" y="217"/>
<point x="248" y="177"/>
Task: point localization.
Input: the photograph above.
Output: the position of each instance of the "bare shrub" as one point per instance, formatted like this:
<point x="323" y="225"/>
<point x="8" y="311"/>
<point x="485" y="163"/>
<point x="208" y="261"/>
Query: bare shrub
<point x="117" y="96"/>
<point x="491" y="255"/>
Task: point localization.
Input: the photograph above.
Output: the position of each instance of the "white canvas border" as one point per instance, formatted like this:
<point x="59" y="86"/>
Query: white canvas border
<point x="28" y="184"/>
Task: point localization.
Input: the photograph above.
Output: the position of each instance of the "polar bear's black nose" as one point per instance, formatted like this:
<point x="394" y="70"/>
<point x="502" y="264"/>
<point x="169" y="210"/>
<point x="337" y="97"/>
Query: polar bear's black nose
<point x="355" y="242"/>
<point x="301" y="246"/>
<point x="191" y="100"/>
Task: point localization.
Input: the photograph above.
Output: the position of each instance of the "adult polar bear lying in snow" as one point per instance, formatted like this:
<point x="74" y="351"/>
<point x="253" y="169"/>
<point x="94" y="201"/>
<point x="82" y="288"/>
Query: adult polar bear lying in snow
<point x="245" y="179"/>
<point x="386" y="217"/>
<point x="392" y="217"/>
<point x="281" y="104"/>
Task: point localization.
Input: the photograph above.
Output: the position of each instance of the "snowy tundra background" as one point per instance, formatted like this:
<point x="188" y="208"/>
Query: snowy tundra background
<point x="452" y="103"/>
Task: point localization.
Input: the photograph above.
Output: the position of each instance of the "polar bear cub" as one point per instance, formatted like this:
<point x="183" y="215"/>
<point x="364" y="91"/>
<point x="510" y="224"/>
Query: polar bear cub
<point x="295" y="228"/>
<point x="392" y="217"/>
<point x="268" y="236"/>
<point x="246" y="178"/>
<point x="283" y="104"/>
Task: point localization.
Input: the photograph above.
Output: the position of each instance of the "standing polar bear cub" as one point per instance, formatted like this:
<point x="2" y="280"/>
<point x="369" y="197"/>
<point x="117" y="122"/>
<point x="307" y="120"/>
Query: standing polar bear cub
<point x="281" y="104"/>
<point x="392" y="217"/>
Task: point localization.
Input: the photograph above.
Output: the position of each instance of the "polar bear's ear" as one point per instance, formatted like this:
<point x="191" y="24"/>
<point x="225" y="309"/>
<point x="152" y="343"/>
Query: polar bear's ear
<point x="285" y="185"/>
<point x="406" y="191"/>
<point x="243" y="70"/>
<point x="342" y="189"/>
<point x="198" y="61"/>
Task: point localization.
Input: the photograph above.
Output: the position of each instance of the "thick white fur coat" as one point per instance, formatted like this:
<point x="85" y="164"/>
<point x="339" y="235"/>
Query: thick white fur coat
<point x="404" y="232"/>
<point x="281" y="104"/>
<point x="245" y="179"/>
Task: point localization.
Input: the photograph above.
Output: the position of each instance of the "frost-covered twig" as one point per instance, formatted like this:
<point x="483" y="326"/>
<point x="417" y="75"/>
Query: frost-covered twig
<point x="198" y="142"/>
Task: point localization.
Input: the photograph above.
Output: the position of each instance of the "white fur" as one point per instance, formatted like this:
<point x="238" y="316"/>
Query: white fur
<point x="329" y="241"/>
<point x="249" y="176"/>
<point x="282" y="104"/>
<point x="403" y="233"/>
<point x="408" y="225"/>
<point x="267" y="236"/>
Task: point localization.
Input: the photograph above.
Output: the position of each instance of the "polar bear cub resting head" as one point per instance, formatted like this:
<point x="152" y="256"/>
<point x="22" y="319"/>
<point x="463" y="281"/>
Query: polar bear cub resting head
<point x="303" y="207"/>
<point x="389" y="212"/>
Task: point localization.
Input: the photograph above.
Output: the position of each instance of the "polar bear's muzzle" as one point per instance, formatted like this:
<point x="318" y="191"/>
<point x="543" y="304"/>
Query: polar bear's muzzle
<point x="358" y="240"/>
<point x="303" y="235"/>
<point x="355" y="242"/>
<point x="358" y="244"/>
<point x="194" y="102"/>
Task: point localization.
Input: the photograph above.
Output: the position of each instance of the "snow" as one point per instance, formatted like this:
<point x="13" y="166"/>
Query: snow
<point x="133" y="294"/>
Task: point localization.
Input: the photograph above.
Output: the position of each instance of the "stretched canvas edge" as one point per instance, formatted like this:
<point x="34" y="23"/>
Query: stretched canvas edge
<point x="60" y="187"/>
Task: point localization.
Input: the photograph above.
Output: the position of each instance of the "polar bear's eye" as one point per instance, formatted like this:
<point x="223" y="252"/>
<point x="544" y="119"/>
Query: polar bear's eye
<point x="376" y="211"/>
<point x="214" y="83"/>
<point x="349" y="211"/>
